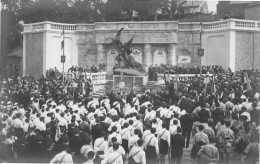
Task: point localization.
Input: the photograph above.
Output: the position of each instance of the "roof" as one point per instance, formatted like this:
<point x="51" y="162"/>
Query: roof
<point x="193" y="3"/>
<point x="17" y="52"/>
<point x="253" y="4"/>
<point x="239" y="2"/>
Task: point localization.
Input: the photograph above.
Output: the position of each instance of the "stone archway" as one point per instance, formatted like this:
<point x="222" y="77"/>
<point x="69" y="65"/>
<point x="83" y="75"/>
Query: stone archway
<point x="159" y="57"/>
<point x="138" y="55"/>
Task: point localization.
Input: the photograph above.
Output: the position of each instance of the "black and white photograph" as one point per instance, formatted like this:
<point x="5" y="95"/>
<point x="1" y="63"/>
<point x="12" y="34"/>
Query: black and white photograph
<point x="130" y="81"/>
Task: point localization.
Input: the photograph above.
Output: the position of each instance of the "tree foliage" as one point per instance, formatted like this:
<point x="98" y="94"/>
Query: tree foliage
<point x="82" y="11"/>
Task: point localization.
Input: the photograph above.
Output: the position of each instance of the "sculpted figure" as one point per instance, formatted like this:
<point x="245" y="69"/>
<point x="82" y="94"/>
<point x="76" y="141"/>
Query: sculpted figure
<point x="124" y="50"/>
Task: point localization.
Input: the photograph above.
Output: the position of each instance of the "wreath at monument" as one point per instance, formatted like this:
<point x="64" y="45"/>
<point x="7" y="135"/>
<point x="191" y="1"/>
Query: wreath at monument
<point x="126" y="62"/>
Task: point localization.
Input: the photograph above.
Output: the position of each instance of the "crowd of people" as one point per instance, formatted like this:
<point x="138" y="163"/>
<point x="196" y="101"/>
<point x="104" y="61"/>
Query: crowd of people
<point x="43" y="121"/>
<point x="181" y="69"/>
<point x="93" y="69"/>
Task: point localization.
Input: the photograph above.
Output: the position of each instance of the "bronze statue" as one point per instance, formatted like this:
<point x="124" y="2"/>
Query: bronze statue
<point x="124" y="59"/>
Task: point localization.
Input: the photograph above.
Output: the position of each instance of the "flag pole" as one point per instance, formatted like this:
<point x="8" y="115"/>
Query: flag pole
<point x="63" y="54"/>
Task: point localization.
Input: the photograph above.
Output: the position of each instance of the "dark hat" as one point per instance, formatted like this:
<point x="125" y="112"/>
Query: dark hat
<point x="76" y="131"/>
<point x="65" y="139"/>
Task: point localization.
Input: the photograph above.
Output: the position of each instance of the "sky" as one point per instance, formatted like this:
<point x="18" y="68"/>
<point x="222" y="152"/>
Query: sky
<point x="212" y="5"/>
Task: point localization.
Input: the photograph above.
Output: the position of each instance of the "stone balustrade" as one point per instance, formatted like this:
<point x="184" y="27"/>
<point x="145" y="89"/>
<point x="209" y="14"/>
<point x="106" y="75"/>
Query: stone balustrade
<point x="160" y="77"/>
<point x="213" y="25"/>
<point x="244" y="24"/>
<point x="41" y="26"/>
<point x="160" y="25"/>
<point x="96" y="78"/>
<point x="67" y="27"/>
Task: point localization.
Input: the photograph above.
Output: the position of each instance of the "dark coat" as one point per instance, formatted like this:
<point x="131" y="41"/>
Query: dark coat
<point x="216" y="114"/>
<point x="186" y="122"/>
<point x="254" y="114"/>
<point x="177" y="145"/>
<point x="75" y="143"/>
<point x="96" y="131"/>
<point x="105" y="126"/>
<point x="204" y="114"/>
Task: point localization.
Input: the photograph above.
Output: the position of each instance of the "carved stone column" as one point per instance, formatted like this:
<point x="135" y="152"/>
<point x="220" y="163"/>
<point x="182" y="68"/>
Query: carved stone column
<point x="147" y="56"/>
<point x="171" y="54"/>
<point x="100" y="54"/>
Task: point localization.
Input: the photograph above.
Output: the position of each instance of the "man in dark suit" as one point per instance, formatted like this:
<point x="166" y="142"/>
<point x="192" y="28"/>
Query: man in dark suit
<point x="204" y="114"/>
<point x="186" y="123"/>
<point x="104" y="125"/>
<point x="217" y="114"/>
<point x="75" y="142"/>
<point x="96" y="130"/>
<point x="84" y="126"/>
<point x="254" y="114"/>
<point x="177" y="145"/>
<point x="150" y="72"/>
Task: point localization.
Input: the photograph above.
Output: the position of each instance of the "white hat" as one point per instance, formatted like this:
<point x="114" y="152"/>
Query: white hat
<point x="243" y="97"/>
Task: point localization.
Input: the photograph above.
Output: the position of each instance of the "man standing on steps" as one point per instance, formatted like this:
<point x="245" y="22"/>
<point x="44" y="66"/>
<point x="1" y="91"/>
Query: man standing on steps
<point x="150" y="73"/>
<point x="177" y="145"/>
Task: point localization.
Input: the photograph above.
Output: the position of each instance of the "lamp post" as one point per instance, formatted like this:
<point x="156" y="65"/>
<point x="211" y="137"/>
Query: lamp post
<point x="200" y="49"/>
<point x="63" y="59"/>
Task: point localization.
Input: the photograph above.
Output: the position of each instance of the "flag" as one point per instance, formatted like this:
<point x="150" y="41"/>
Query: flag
<point x="58" y="133"/>
<point x="200" y="32"/>
<point x="205" y="90"/>
<point x="62" y="41"/>
<point x="176" y="83"/>
<point x="247" y="82"/>
<point x="213" y="87"/>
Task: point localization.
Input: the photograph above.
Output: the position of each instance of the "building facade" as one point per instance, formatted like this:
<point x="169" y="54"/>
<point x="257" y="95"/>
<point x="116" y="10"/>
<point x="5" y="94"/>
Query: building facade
<point x="191" y="6"/>
<point x="230" y="43"/>
<point x="249" y="10"/>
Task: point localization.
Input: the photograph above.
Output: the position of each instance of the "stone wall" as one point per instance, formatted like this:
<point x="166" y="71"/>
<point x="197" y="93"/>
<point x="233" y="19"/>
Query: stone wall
<point x="253" y="12"/>
<point x="34" y="54"/>
<point x="188" y="44"/>
<point x="231" y="43"/>
<point x="244" y="50"/>
<point x="257" y="51"/>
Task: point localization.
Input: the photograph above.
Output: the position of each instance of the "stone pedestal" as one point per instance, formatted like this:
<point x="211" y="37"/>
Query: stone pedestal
<point x="172" y="59"/>
<point x="100" y="54"/>
<point x="147" y="56"/>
